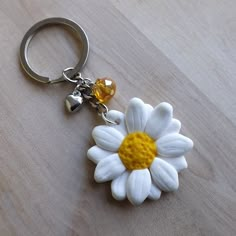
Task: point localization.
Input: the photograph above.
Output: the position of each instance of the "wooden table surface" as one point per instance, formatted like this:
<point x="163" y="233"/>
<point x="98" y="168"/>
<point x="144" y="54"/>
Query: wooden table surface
<point x="179" y="51"/>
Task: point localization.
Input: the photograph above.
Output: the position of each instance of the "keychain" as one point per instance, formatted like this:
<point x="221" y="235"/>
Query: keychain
<point x="139" y="151"/>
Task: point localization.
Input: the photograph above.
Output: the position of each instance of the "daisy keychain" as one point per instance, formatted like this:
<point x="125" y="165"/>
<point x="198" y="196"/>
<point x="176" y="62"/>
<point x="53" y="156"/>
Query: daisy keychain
<point x="139" y="151"/>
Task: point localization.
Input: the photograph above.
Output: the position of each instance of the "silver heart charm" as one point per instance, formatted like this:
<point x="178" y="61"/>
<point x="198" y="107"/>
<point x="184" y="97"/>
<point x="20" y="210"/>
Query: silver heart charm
<point x="74" y="102"/>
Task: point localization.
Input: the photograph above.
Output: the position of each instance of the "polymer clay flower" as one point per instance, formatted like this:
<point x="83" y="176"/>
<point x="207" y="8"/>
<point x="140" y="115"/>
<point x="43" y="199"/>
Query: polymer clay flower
<point x="143" y="154"/>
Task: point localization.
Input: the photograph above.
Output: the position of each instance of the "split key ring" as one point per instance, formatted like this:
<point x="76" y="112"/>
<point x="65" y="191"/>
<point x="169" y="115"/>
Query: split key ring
<point x="77" y="29"/>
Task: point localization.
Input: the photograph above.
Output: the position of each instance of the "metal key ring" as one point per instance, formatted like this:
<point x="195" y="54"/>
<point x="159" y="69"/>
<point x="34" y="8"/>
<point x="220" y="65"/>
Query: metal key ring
<point x="38" y="26"/>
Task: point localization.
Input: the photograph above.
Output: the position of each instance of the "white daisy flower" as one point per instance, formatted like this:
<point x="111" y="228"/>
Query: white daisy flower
<point x="143" y="154"/>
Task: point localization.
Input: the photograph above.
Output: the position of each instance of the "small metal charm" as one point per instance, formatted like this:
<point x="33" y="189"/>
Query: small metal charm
<point x="74" y="102"/>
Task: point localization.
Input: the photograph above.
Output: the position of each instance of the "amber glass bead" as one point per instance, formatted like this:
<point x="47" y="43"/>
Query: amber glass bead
<point x="104" y="89"/>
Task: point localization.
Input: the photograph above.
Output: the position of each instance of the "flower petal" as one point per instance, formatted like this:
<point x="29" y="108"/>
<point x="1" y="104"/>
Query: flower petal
<point x="109" y="168"/>
<point x="136" y="115"/>
<point x="174" y="127"/>
<point x="118" y="186"/>
<point x="118" y="117"/>
<point x="173" y="145"/>
<point x="164" y="175"/>
<point x="179" y="163"/>
<point x="107" y="137"/>
<point x="159" y="120"/>
<point x="96" y="154"/>
<point x="155" y="192"/>
<point x="138" y="186"/>
<point x="149" y="109"/>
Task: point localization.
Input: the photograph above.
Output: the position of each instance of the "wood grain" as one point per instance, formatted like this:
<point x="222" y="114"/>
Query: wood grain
<point x="182" y="51"/>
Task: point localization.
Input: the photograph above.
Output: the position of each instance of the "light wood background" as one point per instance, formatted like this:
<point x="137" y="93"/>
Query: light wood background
<point x="179" y="51"/>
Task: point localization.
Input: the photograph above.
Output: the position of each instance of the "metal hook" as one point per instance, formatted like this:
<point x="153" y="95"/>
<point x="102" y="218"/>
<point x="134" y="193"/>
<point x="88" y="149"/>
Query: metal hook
<point x="38" y="26"/>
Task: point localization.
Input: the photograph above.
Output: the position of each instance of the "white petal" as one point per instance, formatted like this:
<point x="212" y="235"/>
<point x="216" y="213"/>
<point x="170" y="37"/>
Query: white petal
<point x="159" y="120"/>
<point x="173" y="145"/>
<point x="155" y="192"/>
<point x="118" y="186"/>
<point x="136" y="115"/>
<point x="119" y="118"/>
<point x="138" y="186"/>
<point x="96" y="154"/>
<point x="109" y="168"/>
<point x="149" y="109"/>
<point x="164" y="175"/>
<point x="174" y="127"/>
<point x="107" y="137"/>
<point x="179" y="163"/>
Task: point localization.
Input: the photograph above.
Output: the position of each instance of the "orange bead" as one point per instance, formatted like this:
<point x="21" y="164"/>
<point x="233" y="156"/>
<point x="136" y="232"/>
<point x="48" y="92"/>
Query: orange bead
<point x="104" y="89"/>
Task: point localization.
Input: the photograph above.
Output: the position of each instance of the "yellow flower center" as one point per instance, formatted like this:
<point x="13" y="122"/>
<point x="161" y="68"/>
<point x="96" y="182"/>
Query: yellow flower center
<point x="137" y="151"/>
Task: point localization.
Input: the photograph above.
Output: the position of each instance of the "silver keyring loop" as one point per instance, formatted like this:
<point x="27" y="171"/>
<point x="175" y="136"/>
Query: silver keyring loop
<point x="38" y="26"/>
